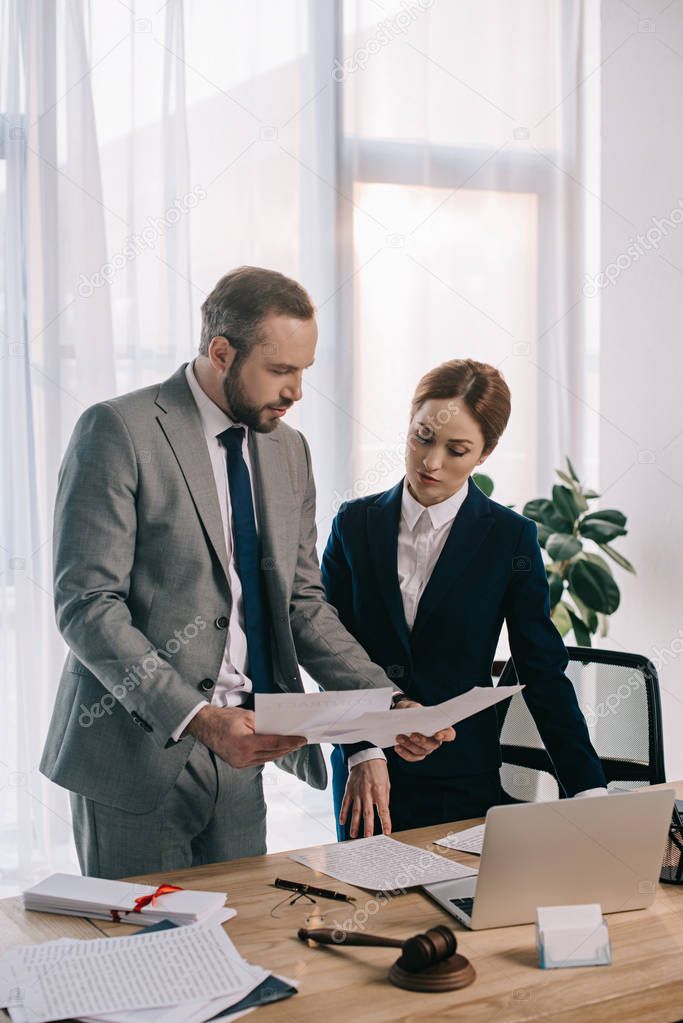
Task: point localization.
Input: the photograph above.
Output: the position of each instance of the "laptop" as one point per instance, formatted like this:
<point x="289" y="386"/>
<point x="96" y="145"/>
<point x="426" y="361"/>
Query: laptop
<point x="605" y="849"/>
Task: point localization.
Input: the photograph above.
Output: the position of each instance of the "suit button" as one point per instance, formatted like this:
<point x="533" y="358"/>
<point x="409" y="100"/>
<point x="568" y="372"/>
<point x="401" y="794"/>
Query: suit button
<point x="221" y="623"/>
<point x="206" y="685"/>
<point x="141" y="722"/>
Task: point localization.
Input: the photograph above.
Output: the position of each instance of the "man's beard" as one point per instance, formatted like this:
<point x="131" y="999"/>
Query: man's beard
<point x="241" y="409"/>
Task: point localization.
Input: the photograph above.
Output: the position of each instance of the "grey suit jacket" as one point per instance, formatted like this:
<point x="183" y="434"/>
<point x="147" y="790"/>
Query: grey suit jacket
<point x="142" y="597"/>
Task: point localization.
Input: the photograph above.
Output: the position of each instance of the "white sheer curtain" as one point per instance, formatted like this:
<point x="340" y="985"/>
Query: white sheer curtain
<point x="57" y="358"/>
<point x="145" y="149"/>
<point x="464" y="148"/>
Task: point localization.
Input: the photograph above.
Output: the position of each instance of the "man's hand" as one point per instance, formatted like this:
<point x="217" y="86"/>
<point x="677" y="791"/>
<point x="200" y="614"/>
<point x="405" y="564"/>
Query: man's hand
<point x="367" y="787"/>
<point x="229" y="732"/>
<point x="416" y="746"/>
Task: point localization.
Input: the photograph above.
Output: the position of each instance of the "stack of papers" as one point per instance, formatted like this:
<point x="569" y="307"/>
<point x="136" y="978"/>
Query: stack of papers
<point x="180" y="975"/>
<point x="381" y="864"/>
<point x="469" y="840"/>
<point x="362" y="715"/>
<point x="111" y="900"/>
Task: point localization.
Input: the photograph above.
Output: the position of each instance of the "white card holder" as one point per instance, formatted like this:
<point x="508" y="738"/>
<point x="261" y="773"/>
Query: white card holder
<point x="572" y="936"/>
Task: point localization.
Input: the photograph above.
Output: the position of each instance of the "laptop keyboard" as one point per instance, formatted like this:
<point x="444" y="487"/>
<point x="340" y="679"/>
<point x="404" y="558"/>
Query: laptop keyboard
<point x="466" y="905"/>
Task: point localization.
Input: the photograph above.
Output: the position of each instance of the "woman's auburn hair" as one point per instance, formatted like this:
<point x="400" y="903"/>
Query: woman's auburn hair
<point x="478" y="385"/>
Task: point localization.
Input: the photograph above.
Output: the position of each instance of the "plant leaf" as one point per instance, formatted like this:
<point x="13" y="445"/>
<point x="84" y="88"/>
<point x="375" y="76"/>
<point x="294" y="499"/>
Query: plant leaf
<point x="595" y="586"/>
<point x="561" y="619"/>
<point x="587" y="614"/>
<point x="543" y="533"/>
<point x="484" y="482"/>
<point x="597" y="560"/>
<point x="571" y="469"/>
<point x="555" y="585"/>
<point x="565" y="478"/>
<point x="562" y="546"/>
<point x="539" y="509"/>
<point x="600" y="530"/>
<point x="565" y="504"/>
<point x="591" y="494"/>
<point x="581" y="633"/>
<point x="619" y="558"/>
<point x="581" y="502"/>
<point x="609" y="515"/>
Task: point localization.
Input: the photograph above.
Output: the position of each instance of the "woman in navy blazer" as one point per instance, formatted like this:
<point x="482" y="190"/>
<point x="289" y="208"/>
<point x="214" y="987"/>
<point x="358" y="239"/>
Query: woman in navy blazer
<point x="466" y="578"/>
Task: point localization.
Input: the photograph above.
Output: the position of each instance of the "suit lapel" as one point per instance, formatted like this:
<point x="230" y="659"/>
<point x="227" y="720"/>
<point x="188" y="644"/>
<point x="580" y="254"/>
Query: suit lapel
<point x="182" y="425"/>
<point x="471" y="525"/>
<point x="383" y="519"/>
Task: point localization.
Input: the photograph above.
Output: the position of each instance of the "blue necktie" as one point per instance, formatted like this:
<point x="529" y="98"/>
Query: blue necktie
<point x="248" y="562"/>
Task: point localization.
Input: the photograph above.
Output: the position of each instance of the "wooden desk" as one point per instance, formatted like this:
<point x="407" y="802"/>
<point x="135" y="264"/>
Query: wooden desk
<point x="644" y="984"/>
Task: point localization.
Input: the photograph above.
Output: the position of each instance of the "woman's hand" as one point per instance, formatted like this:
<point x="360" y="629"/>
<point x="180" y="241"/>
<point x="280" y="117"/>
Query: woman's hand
<point x="367" y="787"/>
<point x="415" y="746"/>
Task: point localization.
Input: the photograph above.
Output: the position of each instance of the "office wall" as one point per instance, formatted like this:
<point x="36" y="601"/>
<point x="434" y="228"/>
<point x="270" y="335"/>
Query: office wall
<point x="641" y="354"/>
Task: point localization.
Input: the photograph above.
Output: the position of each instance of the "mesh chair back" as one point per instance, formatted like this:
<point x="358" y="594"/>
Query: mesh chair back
<point x="619" y="697"/>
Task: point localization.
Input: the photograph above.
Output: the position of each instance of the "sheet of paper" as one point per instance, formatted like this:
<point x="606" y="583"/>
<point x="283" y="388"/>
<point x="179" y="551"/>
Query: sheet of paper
<point x="382" y="727"/>
<point x="381" y="864"/>
<point x="469" y="840"/>
<point x="187" y="1012"/>
<point x="310" y="714"/>
<point x="58" y="980"/>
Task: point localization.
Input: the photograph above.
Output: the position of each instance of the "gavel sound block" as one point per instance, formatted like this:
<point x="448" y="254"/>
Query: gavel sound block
<point x="428" y="962"/>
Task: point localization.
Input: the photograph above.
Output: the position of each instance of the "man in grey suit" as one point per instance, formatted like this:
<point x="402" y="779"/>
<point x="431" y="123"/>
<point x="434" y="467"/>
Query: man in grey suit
<point x="186" y="579"/>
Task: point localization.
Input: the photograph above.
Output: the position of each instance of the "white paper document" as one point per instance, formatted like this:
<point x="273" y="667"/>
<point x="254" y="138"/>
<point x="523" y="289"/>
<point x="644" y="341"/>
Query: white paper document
<point x="103" y="899"/>
<point x="381" y="864"/>
<point x="469" y="840"/>
<point x="357" y="716"/>
<point x="59" y="980"/>
<point x="310" y="714"/>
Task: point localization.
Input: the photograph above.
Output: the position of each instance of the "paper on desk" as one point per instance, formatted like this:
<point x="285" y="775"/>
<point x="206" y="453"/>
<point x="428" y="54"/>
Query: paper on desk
<point x="468" y="840"/>
<point x="58" y="980"/>
<point x="381" y="727"/>
<point x="381" y="864"/>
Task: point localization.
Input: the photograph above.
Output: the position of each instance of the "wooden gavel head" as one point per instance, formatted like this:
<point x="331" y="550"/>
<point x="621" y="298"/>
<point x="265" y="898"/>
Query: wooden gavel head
<point x="428" y="962"/>
<point x="424" y="950"/>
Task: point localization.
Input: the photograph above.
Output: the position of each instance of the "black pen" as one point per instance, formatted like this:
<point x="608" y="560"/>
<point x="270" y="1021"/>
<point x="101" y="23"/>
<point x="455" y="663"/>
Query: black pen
<point x="309" y="889"/>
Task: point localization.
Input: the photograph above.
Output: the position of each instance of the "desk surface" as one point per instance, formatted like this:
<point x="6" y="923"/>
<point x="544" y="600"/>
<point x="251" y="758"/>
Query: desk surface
<point x="645" y="982"/>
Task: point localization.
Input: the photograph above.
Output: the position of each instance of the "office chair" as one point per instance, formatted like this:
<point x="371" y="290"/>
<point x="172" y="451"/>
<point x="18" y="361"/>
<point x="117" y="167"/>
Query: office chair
<point x="619" y="697"/>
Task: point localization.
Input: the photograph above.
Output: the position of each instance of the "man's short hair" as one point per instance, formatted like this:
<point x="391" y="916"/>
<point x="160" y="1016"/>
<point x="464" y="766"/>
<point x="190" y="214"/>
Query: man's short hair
<point x="243" y="298"/>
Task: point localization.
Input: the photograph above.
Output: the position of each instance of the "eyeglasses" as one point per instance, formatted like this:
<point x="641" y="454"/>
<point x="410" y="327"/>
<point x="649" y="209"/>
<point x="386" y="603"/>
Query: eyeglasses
<point x="291" y="900"/>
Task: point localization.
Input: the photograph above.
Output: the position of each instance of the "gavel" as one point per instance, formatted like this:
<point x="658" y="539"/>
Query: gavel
<point x="428" y="962"/>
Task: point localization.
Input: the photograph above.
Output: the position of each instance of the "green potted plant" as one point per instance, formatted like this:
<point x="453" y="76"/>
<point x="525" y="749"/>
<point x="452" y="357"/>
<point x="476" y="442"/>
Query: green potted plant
<point x="583" y="590"/>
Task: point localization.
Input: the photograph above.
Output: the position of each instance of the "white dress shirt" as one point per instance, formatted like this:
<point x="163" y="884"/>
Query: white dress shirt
<point x="233" y="682"/>
<point x="422" y="533"/>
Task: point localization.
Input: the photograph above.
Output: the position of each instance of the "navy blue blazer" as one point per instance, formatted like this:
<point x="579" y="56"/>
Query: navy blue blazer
<point x="490" y="570"/>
